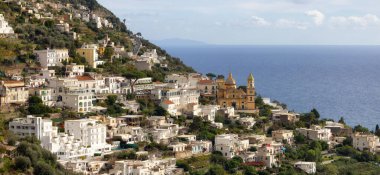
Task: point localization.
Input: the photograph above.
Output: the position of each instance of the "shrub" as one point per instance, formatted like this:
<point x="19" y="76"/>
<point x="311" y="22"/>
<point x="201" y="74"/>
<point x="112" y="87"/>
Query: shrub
<point x="22" y="163"/>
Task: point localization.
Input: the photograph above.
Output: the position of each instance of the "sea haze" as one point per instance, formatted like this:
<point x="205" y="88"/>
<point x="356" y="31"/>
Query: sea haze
<point x="337" y="80"/>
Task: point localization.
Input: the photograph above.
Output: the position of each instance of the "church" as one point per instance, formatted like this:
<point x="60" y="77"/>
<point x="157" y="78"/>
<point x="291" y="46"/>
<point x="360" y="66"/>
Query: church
<point x="228" y="95"/>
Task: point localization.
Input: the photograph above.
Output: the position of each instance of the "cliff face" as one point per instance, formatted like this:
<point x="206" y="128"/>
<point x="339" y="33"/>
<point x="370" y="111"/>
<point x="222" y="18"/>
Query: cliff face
<point x="70" y="24"/>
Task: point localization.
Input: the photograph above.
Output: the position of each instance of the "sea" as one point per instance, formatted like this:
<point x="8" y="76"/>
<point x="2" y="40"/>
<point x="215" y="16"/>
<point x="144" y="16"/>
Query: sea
<point x="339" y="81"/>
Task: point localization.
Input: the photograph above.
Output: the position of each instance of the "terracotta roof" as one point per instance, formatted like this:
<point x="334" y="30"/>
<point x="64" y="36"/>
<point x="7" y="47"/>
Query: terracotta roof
<point x="168" y="102"/>
<point x="84" y="78"/>
<point x="205" y="82"/>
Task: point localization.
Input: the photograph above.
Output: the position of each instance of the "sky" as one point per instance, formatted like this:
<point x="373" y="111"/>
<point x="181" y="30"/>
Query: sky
<point x="253" y="22"/>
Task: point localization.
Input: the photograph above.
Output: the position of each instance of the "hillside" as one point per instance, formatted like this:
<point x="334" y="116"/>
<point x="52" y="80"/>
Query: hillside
<point x="36" y="27"/>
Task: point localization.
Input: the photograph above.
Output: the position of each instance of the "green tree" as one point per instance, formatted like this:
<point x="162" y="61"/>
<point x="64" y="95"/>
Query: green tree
<point x="111" y="100"/>
<point x="22" y="163"/>
<point x="216" y="170"/>
<point x="132" y="77"/>
<point x="360" y="128"/>
<point x="341" y="120"/>
<point x="316" y="113"/>
<point x="108" y="53"/>
<point x="43" y="169"/>
<point x="211" y="75"/>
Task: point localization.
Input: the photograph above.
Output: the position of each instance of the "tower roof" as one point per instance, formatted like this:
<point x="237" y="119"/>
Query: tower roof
<point x="250" y="77"/>
<point x="230" y="80"/>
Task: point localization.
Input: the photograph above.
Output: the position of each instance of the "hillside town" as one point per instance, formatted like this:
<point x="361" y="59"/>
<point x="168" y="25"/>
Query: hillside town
<point x="94" y="122"/>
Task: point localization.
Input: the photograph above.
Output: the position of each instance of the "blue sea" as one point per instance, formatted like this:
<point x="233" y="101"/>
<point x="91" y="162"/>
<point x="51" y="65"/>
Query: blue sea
<point x="339" y="81"/>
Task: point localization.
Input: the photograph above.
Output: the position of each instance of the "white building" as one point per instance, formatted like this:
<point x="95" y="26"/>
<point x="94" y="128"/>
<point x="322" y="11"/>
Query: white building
<point x="183" y="99"/>
<point x="45" y="94"/>
<point x="163" y="133"/>
<point x="91" y="132"/>
<point x="316" y="133"/>
<point x="52" y="57"/>
<point x="31" y="126"/>
<point x="230" y="145"/>
<point x="368" y="142"/>
<point x="73" y="70"/>
<point x="78" y="100"/>
<point x="281" y="135"/>
<point x="147" y="167"/>
<point x="308" y="167"/>
<point x="13" y="92"/>
<point x="4" y="26"/>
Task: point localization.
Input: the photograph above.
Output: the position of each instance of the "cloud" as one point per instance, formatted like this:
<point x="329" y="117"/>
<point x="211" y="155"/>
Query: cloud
<point x="286" y="23"/>
<point x="317" y="16"/>
<point x="258" y="21"/>
<point x="355" y="21"/>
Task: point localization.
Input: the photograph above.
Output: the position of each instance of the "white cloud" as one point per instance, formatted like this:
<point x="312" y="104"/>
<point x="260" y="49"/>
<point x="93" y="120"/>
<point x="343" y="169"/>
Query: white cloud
<point x="318" y="17"/>
<point x="286" y="23"/>
<point x="355" y="21"/>
<point x="258" y="21"/>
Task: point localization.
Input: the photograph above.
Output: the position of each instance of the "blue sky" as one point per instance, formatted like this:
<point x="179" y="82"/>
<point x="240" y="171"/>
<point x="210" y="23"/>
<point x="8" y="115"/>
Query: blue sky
<point x="253" y="21"/>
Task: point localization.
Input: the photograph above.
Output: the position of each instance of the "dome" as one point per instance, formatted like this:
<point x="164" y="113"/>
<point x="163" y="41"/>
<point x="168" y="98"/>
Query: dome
<point x="250" y="77"/>
<point x="230" y="80"/>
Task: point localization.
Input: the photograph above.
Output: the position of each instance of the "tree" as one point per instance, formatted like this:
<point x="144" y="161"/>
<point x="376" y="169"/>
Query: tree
<point x="360" y="128"/>
<point x="34" y="100"/>
<point x="341" y="120"/>
<point x="316" y="113"/>
<point x="43" y="169"/>
<point x="108" y="53"/>
<point x="132" y="77"/>
<point x="160" y="111"/>
<point x="22" y="163"/>
<point x="216" y="170"/>
<point x="111" y="100"/>
<point x="211" y="75"/>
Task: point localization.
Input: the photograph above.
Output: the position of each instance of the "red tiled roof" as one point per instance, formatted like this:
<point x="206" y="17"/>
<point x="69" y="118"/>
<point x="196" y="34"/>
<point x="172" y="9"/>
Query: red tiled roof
<point x="84" y="78"/>
<point x="168" y="102"/>
<point x="205" y="81"/>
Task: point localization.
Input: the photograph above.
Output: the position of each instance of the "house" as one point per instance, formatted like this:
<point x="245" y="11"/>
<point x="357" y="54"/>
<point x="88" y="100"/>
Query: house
<point x="73" y="70"/>
<point x="91" y="132"/>
<point x="66" y="146"/>
<point x="368" y="142"/>
<point x="31" y="126"/>
<point x="181" y="98"/>
<point x="267" y="154"/>
<point x="316" y="133"/>
<point x="177" y="147"/>
<point x="169" y="106"/>
<point x="308" y="167"/>
<point x="164" y="133"/>
<point x="84" y="166"/>
<point x="130" y="120"/>
<point x="78" y="100"/>
<point x="13" y="92"/>
<point x="136" y="133"/>
<point x="52" y="57"/>
<point x="90" y="52"/>
<point x="285" y="117"/>
<point x="207" y="87"/>
<point x="187" y="138"/>
<point x="45" y="94"/>
<point x="230" y="145"/>
<point x="208" y="112"/>
<point x="151" y="166"/>
<point x="338" y="129"/>
<point x="247" y="121"/>
<point x="283" y="135"/>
